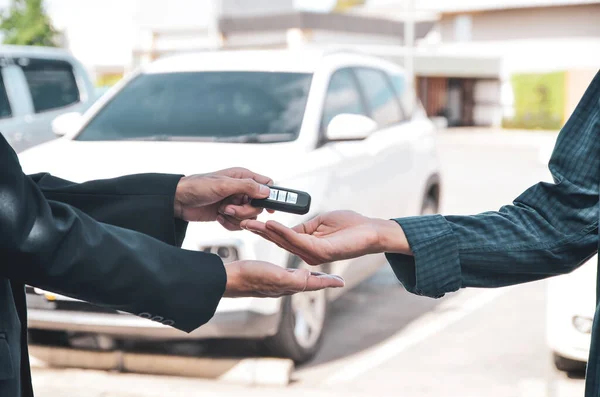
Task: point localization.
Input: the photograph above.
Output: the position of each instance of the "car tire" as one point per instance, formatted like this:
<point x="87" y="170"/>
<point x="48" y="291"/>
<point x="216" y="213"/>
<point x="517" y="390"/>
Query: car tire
<point x="567" y="365"/>
<point x="296" y="338"/>
<point x="431" y="203"/>
<point x="47" y="338"/>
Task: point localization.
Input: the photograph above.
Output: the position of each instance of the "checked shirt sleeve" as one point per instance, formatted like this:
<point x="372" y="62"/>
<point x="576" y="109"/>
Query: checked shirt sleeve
<point x="550" y="229"/>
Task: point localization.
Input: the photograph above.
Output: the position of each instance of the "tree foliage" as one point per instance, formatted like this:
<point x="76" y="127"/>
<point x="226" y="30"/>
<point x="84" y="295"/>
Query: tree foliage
<point x="27" y="23"/>
<point x="343" y="5"/>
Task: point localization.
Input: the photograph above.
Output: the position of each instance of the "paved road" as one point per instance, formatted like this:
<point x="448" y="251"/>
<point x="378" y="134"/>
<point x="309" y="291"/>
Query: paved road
<point x="383" y="341"/>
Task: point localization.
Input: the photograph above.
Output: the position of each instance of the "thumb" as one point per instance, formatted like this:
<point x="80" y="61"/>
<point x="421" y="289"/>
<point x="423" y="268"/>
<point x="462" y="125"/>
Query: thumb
<point x="249" y="187"/>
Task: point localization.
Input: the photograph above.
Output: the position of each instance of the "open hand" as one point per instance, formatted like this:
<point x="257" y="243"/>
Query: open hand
<point x="333" y="236"/>
<point x="223" y="196"/>
<point x="266" y="280"/>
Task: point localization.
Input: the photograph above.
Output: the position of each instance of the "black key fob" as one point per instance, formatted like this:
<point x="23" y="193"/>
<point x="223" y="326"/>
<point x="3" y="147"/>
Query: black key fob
<point x="285" y="200"/>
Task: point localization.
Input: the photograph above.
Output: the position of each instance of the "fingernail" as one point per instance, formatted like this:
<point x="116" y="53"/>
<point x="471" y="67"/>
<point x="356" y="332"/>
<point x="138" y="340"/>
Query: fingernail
<point x="264" y="190"/>
<point x="229" y="211"/>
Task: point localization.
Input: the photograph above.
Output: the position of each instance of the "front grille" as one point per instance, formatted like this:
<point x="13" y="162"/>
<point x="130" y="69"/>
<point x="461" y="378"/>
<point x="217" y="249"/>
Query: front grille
<point x="83" y="307"/>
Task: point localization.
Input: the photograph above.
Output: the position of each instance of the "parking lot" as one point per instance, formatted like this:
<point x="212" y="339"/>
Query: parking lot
<point x="383" y="341"/>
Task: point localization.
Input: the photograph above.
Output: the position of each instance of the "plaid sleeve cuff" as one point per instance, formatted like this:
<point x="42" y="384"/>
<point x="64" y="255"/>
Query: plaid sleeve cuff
<point x="435" y="267"/>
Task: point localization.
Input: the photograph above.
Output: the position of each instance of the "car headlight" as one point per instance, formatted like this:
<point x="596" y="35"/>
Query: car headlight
<point x="227" y="253"/>
<point x="583" y="324"/>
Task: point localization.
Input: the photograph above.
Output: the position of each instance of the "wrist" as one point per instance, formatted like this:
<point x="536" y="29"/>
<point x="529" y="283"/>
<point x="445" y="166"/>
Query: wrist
<point x="391" y="237"/>
<point x="232" y="272"/>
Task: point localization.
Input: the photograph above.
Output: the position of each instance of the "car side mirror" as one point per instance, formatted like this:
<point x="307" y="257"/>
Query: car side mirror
<point x="66" y="123"/>
<point x="350" y="127"/>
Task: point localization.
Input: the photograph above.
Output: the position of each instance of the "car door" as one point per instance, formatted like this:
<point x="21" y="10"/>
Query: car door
<point x="54" y="90"/>
<point x="354" y="185"/>
<point x="352" y="160"/>
<point x="12" y="107"/>
<point x="391" y="147"/>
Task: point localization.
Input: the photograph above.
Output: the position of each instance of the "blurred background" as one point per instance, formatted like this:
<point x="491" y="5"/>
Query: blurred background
<point x="457" y="104"/>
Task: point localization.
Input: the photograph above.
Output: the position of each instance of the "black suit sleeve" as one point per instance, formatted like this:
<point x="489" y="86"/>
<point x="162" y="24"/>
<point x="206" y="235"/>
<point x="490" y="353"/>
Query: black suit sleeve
<point x="143" y="202"/>
<point x="51" y="245"/>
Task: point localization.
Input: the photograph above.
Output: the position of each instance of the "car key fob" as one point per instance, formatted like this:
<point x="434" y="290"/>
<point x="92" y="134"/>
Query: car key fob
<point x="285" y="200"/>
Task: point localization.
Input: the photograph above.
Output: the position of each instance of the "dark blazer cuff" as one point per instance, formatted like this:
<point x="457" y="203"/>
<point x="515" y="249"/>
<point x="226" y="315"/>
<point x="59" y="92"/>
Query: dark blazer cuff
<point x="200" y="291"/>
<point x="179" y="225"/>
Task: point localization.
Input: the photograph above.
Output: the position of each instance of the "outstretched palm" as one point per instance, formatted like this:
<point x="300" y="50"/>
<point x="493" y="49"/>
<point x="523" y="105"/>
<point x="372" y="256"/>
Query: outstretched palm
<point x="329" y="237"/>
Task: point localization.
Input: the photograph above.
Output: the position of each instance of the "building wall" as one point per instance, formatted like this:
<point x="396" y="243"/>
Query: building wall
<point x="247" y="8"/>
<point x="297" y="37"/>
<point x="577" y="82"/>
<point x="527" y="23"/>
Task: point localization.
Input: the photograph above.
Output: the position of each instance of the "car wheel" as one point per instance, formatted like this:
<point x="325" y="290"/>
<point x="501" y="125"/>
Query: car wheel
<point x="47" y="338"/>
<point x="567" y="365"/>
<point x="430" y="204"/>
<point x="301" y="327"/>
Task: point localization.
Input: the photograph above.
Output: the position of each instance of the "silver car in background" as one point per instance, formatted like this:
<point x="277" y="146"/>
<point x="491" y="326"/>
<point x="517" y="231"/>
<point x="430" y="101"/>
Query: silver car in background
<point x="37" y="84"/>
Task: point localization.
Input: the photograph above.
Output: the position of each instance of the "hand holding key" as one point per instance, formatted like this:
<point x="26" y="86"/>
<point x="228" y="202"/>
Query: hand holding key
<point x="285" y="200"/>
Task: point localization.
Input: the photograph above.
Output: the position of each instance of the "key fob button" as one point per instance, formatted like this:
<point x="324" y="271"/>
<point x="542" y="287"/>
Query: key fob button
<point x="282" y="196"/>
<point x="292" y="198"/>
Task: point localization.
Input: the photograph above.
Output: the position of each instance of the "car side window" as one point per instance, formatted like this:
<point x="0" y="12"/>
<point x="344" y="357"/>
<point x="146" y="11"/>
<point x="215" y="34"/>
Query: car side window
<point x="342" y="96"/>
<point x="406" y="95"/>
<point x="381" y="99"/>
<point x="5" y="109"/>
<point x="52" y="83"/>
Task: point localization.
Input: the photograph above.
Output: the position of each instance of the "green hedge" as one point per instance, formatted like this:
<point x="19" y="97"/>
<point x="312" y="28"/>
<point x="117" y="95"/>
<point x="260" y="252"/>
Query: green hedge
<point x="539" y="101"/>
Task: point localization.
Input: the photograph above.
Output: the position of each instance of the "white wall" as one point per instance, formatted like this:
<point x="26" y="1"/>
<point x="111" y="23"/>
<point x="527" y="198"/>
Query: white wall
<point x="242" y="8"/>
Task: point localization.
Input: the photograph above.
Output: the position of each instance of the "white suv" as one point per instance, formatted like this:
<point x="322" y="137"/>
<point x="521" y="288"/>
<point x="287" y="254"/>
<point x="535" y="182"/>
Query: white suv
<point x="345" y="127"/>
<point x="36" y="85"/>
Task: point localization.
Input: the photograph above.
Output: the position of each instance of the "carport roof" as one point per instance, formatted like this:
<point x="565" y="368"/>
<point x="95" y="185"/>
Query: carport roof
<point x="347" y="23"/>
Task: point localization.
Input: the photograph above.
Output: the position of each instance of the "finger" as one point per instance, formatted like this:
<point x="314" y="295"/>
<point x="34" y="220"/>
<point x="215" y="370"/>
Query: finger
<point x="303" y="251"/>
<point x="243" y="173"/>
<point x="277" y="241"/>
<point x="297" y="280"/>
<point x="229" y="223"/>
<point x="315" y="283"/>
<point x="238" y="199"/>
<point x="232" y="186"/>
<point x="299" y="240"/>
<point x="288" y="248"/>
<point x="241" y="212"/>
<point x="254" y="226"/>
<point x="303" y="280"/>
<point x="308" y="227"/>
<point x="260" y="229"/>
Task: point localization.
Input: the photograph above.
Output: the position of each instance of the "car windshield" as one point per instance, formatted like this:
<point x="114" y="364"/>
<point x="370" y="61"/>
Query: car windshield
<point x="212" y="106"/>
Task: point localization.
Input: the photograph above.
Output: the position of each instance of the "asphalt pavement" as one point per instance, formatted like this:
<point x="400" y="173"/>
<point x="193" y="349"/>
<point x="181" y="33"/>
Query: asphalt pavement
<point x="383" y="341"/>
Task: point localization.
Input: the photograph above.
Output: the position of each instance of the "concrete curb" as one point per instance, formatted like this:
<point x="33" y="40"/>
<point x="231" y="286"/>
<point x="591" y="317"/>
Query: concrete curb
<point x="245" y="371"/>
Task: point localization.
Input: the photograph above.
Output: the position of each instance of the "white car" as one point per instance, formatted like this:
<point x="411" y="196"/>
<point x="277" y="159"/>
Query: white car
<point x="570" y="312"/>
<point x="37" y="84"/>
<point x="344" y="127"/>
